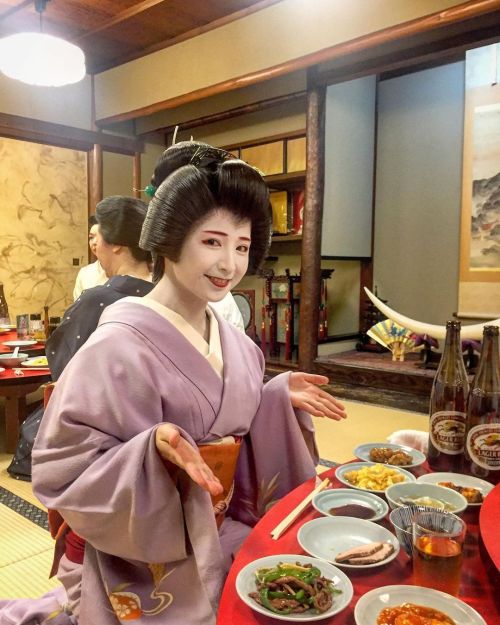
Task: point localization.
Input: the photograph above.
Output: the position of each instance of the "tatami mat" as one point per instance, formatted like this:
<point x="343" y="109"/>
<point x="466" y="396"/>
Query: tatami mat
<point x="20" y="488"/>
<point x="27" y="578"/>
<point x="365" y="423"/>
<point x="26" y="552"/>
<point x="20" y="538"/>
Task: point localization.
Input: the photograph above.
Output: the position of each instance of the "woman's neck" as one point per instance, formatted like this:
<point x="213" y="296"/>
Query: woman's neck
<point x="135" y="269"/>
<point x="190" y="308"/>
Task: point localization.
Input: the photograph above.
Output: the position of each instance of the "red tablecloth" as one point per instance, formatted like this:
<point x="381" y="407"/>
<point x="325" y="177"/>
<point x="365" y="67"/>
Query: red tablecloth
<point x="489" y="525"/>
<point x="478" y="576"/>
<point x="32" y="350"/>
<point x="8" y="375"/>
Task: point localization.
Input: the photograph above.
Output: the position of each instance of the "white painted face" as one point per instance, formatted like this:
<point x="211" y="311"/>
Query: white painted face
<point x="214" y="257"/>
<point x="104" y="252"/>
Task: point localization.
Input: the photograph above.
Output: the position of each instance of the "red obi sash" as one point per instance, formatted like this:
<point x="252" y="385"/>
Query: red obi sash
<point x="221" y="458"/>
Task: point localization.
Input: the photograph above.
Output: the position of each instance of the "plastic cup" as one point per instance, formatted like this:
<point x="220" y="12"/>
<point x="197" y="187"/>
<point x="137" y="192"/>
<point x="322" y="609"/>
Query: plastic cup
<point x="438" y="539"/>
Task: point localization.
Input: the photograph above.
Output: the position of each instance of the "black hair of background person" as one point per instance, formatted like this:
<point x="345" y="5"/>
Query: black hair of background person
<point x="120" y="221"/>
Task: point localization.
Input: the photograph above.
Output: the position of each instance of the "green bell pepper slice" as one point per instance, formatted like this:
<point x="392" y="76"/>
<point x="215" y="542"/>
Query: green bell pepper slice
<point x="264" y="597"/>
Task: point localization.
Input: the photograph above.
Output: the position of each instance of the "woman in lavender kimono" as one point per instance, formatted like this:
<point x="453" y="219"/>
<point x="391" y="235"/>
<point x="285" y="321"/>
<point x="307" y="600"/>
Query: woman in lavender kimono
<point x="118" y="450"/>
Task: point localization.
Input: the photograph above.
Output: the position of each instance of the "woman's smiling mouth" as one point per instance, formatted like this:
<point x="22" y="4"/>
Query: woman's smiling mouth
<point x="218" y="282"/>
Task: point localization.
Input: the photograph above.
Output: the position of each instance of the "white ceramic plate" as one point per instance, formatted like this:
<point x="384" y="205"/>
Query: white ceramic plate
<point x="369" y="605"/>
<point x="363" y="453"/>
<point x="36" y="361"/>
<point x="325" y="538"/>
<point x="19" y="343"/>
<point x="245" y="583"/>
<point x="355" y="466"/>
<point x="336" y="497"/>
<point x="459" y="480"/>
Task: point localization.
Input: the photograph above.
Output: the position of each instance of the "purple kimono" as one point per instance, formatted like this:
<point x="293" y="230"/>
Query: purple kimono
<point x="153" y="553"/>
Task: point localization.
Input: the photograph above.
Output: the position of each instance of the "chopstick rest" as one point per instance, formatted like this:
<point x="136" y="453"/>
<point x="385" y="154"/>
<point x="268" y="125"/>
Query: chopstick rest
<point x="290" y="518"/>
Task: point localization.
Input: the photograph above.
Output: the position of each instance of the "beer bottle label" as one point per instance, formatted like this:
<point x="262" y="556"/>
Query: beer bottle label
<point x="447" y="431"/>
<point x="483" y="445"/>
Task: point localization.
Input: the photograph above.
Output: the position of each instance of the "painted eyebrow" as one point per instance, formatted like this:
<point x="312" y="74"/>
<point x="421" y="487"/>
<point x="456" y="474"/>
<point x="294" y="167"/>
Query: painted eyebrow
<point x="223" y="234"/>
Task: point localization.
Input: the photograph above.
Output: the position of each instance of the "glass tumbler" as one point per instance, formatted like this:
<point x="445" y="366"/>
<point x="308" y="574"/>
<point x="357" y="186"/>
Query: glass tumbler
<point x="438" y="539"/>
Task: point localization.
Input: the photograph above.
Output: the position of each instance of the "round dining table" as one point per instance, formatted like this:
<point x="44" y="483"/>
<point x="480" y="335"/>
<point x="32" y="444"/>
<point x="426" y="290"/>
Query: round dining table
<point x="15" y="388"/>
<point x="479" y="583"/>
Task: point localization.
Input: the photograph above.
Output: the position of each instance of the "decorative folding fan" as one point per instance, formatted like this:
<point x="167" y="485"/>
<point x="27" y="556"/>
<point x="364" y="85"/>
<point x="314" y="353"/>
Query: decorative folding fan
<point x="397" y="339"/>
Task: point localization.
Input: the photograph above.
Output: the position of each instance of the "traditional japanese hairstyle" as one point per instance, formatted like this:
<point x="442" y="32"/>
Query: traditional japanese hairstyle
<point x="198" y="179"/>
<point x="120" y="222"/>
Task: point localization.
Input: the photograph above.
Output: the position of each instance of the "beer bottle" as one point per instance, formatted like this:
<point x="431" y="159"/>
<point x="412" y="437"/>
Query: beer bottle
<point x="482" y="439"/>
<point x="4" y="309"/>
<point x="448" y="405"/>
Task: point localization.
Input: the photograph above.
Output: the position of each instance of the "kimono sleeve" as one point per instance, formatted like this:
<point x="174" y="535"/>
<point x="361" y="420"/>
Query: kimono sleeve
<point x="275" y="456"/>
<point x="95" y="458"/>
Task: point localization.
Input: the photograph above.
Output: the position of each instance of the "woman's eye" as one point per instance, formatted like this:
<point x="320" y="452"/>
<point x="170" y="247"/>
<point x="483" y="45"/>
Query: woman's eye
<point x="212" y="242"/>
<point x="243" y="248"/>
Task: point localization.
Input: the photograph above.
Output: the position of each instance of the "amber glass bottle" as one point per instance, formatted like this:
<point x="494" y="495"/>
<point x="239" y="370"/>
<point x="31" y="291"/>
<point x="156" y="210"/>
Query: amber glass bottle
<point x="482" y="442"/>
<point x="448" y="405"/>
<point x="4" y="309"/>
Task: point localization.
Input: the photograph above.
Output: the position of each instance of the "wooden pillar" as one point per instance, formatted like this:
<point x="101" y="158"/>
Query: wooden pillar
<point x="96" y="192"/>
<point x="311" y="232"/>
<point x="136" y="175"/>
<point x="366" y="265"/>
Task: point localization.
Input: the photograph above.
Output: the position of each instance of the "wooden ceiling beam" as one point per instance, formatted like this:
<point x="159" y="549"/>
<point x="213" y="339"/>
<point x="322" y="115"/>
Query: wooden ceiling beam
<point x="237" y="111"/>
<point x="37" y="131"/>
<point x="121" y="17"/>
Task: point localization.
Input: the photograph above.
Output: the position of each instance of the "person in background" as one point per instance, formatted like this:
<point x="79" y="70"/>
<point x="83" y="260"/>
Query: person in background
<point x="126" y="448"/>
<point x="167" y="162"/>
<point x="118" y="223"/>
<point x="93" y="274"/>
<point x="117" y="228"/>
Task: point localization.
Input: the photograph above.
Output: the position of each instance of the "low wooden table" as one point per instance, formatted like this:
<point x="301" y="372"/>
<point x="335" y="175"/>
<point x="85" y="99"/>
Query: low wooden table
<point x="15" y="389"/>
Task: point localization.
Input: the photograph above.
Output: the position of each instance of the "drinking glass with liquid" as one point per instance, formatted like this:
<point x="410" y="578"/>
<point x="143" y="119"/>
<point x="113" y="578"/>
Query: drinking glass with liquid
<point x="438" y="540"/>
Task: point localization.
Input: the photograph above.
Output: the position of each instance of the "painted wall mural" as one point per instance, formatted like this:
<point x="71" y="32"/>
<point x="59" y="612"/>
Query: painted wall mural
<point x="43" y="224"/>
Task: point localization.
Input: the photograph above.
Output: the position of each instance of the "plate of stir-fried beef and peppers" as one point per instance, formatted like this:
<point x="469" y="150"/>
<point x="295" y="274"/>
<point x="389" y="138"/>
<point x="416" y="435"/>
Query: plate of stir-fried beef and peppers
<point x="294" y="588"/>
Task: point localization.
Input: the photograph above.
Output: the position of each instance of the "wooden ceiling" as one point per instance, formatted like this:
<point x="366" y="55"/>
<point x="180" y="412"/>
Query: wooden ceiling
<point x="112" y="32"/>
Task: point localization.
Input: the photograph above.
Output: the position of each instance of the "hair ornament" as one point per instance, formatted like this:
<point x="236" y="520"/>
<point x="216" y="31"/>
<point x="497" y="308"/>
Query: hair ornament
<point x="175" y="135"/>
<point x="205" y="156"/>
<point x="150" y="190"/>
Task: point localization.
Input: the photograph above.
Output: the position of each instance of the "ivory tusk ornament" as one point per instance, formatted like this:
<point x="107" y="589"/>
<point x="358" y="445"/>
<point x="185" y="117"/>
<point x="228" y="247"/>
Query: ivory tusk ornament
<point x="419" y="327"/>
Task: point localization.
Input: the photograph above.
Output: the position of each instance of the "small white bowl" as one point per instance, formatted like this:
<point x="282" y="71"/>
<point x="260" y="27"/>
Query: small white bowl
<point x="334" y="498"/>
<point x="416" y="491"/>
<point x="326" y="537"/>
<point x="7" y="360"/>
<point x="467" y="481"/>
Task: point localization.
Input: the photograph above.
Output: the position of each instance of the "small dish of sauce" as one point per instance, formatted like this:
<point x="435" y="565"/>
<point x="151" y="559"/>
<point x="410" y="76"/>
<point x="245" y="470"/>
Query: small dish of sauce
<point x="353" y="509"/>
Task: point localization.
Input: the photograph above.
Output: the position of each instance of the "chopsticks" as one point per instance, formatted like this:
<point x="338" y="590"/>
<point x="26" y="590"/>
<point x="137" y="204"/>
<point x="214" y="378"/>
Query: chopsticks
<point x="290" y="518"/>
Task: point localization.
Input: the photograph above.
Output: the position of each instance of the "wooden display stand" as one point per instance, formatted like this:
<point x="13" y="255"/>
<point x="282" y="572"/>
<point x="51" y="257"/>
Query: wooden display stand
<point x="280" y="315"/>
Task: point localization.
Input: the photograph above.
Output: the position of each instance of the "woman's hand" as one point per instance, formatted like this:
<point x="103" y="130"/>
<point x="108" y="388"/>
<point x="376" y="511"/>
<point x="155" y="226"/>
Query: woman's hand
<point x="172" y="447"/>
<point x="306" y="395"/>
